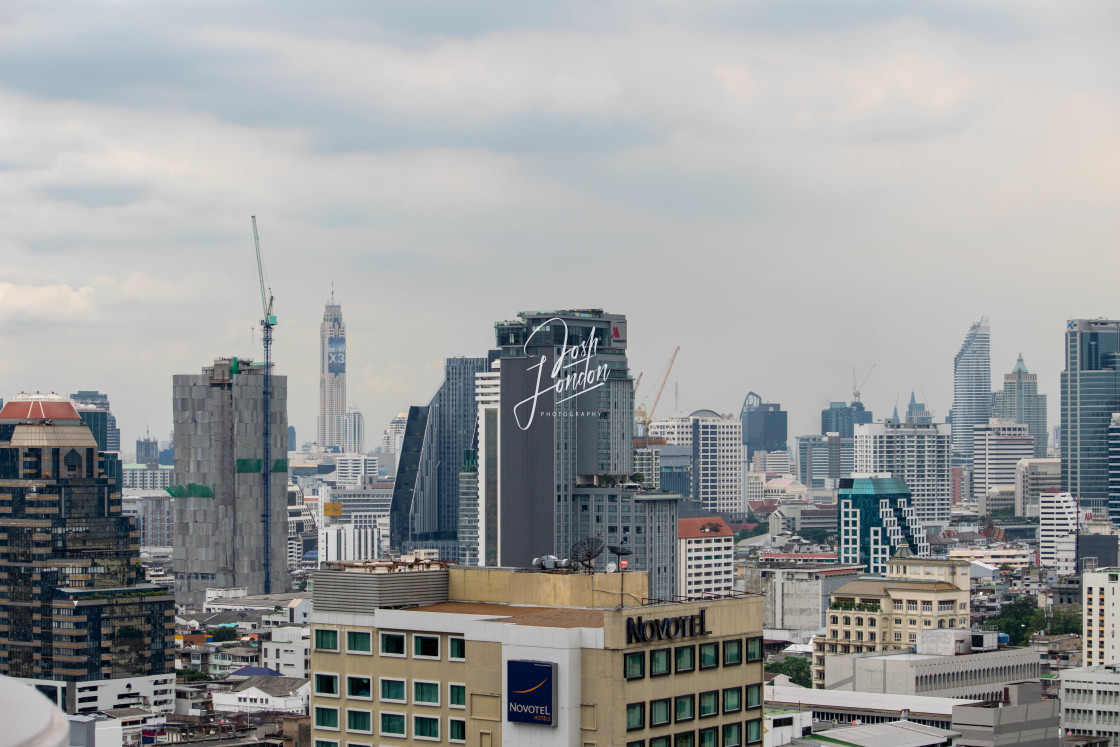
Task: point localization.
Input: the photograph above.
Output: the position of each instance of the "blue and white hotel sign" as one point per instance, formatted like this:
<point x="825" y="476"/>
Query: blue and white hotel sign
<point x="531" y="692"/>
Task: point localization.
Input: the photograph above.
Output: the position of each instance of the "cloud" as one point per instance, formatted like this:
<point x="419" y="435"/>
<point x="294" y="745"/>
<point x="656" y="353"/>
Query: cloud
<point x="46" y="304"/>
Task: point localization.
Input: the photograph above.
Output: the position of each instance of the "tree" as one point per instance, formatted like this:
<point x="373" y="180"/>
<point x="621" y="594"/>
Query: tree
<point x="816" y="536"/>
<point x="1066" y="619"/>
<point x="193" y="675"/>
<point x="1019" y="619"/>
<point x="794" y="667"/>
<point x="638" y="477"/>
<point x="224" y="633"/>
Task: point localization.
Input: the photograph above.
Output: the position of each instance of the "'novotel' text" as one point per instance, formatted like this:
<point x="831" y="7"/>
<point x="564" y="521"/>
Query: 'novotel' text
<point x="640" y="630"/>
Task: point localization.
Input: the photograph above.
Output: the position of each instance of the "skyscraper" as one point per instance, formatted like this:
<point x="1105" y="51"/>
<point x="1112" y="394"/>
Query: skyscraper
<point x="916" y="453"/>
<point x="877" y="518"/>
<point x="1090" y="392"/>
<point x="1021" y="402"/>
<point x="354" y="435"/>
<point x="972" y="388"/>
<point x="717" y="461"/>
<point x="220" y="535"/>
<point x="147" y="451"/>
<point x="997" y="447"/>
<point x="332" y="378"/>
<point x="823" y="460"/>
<point x="764" y="426"/>
<point x="75" y="610"/>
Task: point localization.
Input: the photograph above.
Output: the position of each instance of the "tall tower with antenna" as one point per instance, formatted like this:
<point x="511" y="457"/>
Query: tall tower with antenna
<point x="332" y="377"/>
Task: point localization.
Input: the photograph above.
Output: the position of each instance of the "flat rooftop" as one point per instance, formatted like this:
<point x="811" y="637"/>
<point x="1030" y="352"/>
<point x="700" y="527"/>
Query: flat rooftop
<point x="546" y="617"/>
<point x="888" y="703"/>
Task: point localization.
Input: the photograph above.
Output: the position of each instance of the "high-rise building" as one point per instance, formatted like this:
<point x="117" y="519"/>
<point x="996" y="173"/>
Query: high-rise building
<point x="764" y="426"/>
<point x="1020" y="401"/>
<point x="468" y="509"/>
<point x="292" y="445"/>
<point x="1099" y="591"/>
<point x="332" y="378"/>
<point x="487" y="394"/>
<point x="1090" y="392"/>
<point x="705" y="557"/>
<point x="100" y="401"/>
<point x="877" y="519"/>
<point x="997" y="447"/>
<point x="75" y="612"/>
<point x="916" y="453"/>
<point x="823" y="460"/>
<point x="972" y="388"/>
<point x="1057" y="521"/>
<point x="917" y="412"/>
<point x="838" y="417"/>
<point x="354" y="432"/>
<point x="716" y="443"/>
<point x="1114" y="469"/>
<point x="147" y="451"/>
<point x="220" y="535"/>
<point x="353" y="469"/>
<point x="1032" y="476"/>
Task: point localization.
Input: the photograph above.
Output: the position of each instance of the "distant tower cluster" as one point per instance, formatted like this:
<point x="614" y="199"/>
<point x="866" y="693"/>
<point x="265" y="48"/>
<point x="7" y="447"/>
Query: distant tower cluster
<point x="100" y="402"/>
<point x="972" y="388"/>
<point x="332" y="378"/>
<point x="354" y="438"/>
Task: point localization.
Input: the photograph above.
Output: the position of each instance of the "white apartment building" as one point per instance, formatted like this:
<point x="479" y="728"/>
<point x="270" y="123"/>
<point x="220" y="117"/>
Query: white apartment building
<point x="1100" y="591"/>
<point x="349" y="542"/>
<point x="488" y="397"/>
<point x="349" y="469"/>
<point x="705" y="557"/>
<point x="1090" y="698"/>
<point x="289" y="651"/>
<point x="143" y="477"/>
<point x="919" y="454"/>
<point x="675" y="431"/>
<point x="997" y="447"/>
<point x="1032" y="476"/>
<point x="717" y="458"/>
<point x="1057" y="520"/>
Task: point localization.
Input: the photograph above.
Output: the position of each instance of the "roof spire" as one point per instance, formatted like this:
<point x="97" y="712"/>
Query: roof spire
<point x="332" y="293"/>
<point x="1020" y="367"/>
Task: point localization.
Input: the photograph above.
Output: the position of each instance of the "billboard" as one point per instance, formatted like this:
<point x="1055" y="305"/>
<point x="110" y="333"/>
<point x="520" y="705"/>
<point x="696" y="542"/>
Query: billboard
<point x="336" y="355"/>
<point x="531" y="692"/>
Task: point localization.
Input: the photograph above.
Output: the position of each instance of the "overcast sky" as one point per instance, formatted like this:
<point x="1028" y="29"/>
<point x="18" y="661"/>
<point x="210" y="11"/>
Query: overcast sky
<point x="786" y="189"/>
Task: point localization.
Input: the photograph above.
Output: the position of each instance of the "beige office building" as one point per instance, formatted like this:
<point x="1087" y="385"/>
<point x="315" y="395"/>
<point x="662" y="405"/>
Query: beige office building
<point x="421" y="654"/>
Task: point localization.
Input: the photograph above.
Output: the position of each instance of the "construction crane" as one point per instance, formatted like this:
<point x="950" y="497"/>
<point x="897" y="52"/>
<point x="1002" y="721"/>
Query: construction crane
<point x="857" y="388"/>
<point x="268" y="321"/>
<point x="647" y="415"/>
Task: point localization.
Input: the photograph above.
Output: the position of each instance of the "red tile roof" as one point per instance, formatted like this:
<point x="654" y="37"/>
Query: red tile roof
<point x="704" y="526"/>
<point x="37" y="409"/>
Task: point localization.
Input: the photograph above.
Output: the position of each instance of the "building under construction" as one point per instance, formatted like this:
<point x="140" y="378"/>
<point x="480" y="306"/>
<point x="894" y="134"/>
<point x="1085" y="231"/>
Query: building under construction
<point x="222" y="525"/>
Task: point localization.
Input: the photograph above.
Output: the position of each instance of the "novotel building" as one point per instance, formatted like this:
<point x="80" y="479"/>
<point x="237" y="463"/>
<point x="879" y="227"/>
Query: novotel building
<point x="421" y="653"/>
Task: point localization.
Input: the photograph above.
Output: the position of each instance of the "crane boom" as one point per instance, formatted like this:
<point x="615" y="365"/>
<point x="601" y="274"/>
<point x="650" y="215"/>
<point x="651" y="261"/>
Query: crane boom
<point x="266" y="292"/>
<point x="661" y="388"/>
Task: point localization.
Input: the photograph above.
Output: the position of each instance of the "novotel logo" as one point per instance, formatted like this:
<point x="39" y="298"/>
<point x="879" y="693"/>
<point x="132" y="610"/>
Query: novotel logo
<point x="531" y="692"/>
<point x="640" y="630"/>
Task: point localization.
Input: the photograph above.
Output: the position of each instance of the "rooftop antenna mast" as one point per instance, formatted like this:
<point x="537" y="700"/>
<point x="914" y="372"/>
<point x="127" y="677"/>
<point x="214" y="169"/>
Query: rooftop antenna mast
<point x="268" y="321"/>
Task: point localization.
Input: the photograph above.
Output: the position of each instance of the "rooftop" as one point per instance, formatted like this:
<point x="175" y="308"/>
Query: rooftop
<point x="48" y="408"/>
<point x="879" y="586"/>
<point x="893" y="734"/>
<point x="278" y="687"/>
<point x="548" y="617"/>
<point x="703" y="526"/>
<point x="918" y="705"/>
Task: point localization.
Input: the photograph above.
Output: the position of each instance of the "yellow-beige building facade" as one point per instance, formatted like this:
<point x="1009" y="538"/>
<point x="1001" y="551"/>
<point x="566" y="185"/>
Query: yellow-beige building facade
<point x="421" y="654"/>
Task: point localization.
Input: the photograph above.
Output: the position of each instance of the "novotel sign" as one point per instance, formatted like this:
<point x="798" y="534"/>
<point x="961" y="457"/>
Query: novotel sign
<point x="531" y="692"/>
<point x="640" y="630"/>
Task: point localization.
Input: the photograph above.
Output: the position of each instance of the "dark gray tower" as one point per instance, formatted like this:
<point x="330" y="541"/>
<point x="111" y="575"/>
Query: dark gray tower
<point x="764" y="426"/>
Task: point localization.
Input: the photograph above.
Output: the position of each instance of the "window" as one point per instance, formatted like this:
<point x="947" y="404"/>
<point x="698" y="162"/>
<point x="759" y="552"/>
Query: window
<point x="326" y="718"/>
<point x="847" y="620"/>
<point x="358" y="687"/>
<point x="392" y="724"/>
<point x="709" y="655"/>
<point x="754" y="649"/>
<point x="660" y="742"/>
<point x="325" y="743"/>
<point x="425" y="646"/>
<point x="659" y="662"/>
<point x="635" y="716"/>
<point x="636" y="743"/>
<point x="457" y="696"/>
<point x="709" y="737"/>
<point x="392" y="644"/>
<point x="732" y="699"/>
<point x="684" y="739"/>
<point x="732" y="735"/>
<point x="357" y="642"/>
<point x="659" y="712"/>
<point x="456" y="730"/>
<point x="326" y="684"/>
<point x="425" y="727"/>
<point x="834" y="620"/>
<point x="732" y="652"/>
<point x="754" y="731"/>
<point x="685" y="707"/>
<point x="359" y="721"/>
<point x="898" y="637"/>
<point x="426" y="693"/>
<point x="634" y="665"/>
<point x="686" y="658"/>
<point x="457" y="649"/>
<point x="927" y="606"/>
<point x="392" y="691"/>
<point x="326" y="640"/>
<point x="709" y="703"/>
<point x="754" y="696"/>
<point x="898" y="604"/>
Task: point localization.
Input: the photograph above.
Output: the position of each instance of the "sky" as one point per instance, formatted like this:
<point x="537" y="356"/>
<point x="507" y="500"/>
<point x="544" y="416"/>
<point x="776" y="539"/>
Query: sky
<point x="786" y="189"/>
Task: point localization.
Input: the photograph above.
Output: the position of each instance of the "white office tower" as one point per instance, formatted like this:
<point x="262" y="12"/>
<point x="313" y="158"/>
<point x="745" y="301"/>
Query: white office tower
<point x="488" y="398"/>
<point x="349" y="469"/>
<point x="675" y="431"/>
<point x="717" y="461"/>
<point x="349" y="542"/>
<point x="919" y="454"/>
<point x="1032" y="476"/>
<point x="391" y="441"/>
<point x="1057" y="521"/>
<point x="332" y="377"/>
<point x="972" y="388"/>
<point x="997" y="446"/>
<point x="354" y="435"/>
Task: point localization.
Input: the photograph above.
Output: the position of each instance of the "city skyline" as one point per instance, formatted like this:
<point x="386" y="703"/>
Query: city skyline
<point x="684" y="148"/>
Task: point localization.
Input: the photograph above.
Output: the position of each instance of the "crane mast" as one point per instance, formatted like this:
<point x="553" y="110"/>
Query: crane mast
<point x="267" y="322"/>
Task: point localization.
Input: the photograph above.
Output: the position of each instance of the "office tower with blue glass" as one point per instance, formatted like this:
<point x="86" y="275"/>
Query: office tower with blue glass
<point x="877" y="521"/>
<point x="1090" y="394"/>
<point x="1020" y="402"/>
<point x="765" y="426"/>
<point x="972" y="388"/>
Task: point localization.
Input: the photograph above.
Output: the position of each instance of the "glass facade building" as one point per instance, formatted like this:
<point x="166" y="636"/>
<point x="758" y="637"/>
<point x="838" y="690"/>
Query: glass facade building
<point x="1021" y="402"/>
<point x="765" y="426"/>
<point x="876" y="520"/>
<point x="972" y="388"/>
<point x="1090" y="394"/>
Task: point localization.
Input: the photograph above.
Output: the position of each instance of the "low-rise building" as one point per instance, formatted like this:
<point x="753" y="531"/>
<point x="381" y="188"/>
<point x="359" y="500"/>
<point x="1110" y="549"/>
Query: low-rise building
<point x="1021" y="717"/>
<point x="1090" y="698"/>
<point x="796" y="596"/>
<point x="848" y="706"/>
<point x="289" y="651"/>
<point x="263" y="693"/>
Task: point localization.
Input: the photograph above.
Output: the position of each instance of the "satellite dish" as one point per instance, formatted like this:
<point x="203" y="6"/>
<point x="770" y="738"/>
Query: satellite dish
<point x="611" y="567"/>
<point x="621" y="550"/>
<point x="585" y="551"/>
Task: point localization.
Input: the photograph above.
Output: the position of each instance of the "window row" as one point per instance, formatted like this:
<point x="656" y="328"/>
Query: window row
<point x="389" y="725"/>
<point x="687" y="707"/>
<point x="391" y="644"/>
<point x="663" y="661"/>
<point x="727" y="735"/>
<point x="424" y="692"/>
